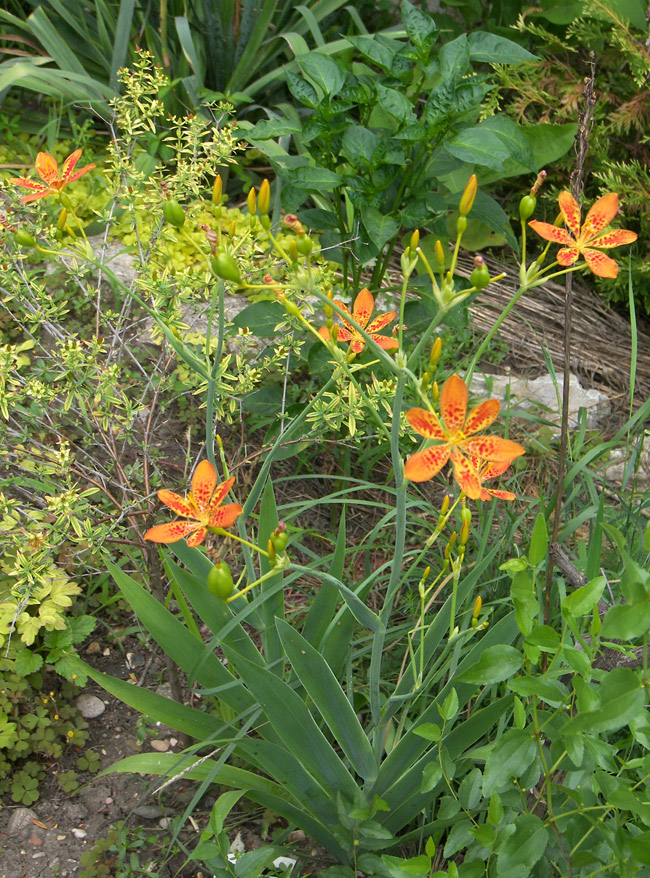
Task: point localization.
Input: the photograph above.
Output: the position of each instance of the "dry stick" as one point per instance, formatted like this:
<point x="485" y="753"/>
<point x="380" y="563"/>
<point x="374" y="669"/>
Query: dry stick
<point x="577" y="189"/>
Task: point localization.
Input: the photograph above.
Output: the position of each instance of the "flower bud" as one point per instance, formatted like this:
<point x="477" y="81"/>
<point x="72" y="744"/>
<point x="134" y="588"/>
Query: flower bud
<point x="527" y="207"/>
<point x="436" y="351"/>
<point x="292" y="222"/>
<point x="293" y="251"/>
<point x="304" y="245"/>
<point x="444" y="507"/>
<point x="24" y="239"/>
<point x="63" y="215"/>
<point x="232" y="228"/>
<point x="468" y="196"/>
<point x="225" y="267"/>
<point x="273" y="558"/>
<point x="478" y="603"/>
<point x="480" y="277"/>
<point x="415" y="240"/>
<point x="538" y="183"/>
<point x="435" y="391"/>
<point x="291" y="308"/>
<point x="264" y="197"/>
<point x="464" y="533"/>
<point x="217" y="190"/>
<point x="440" y="255"/>
<point x="450" y="545"/>
<point x="252" y="201"/>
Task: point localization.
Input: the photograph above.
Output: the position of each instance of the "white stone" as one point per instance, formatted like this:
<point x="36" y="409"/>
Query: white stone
<point x="541" y="393"/>
<point x="90" y="706"/>
<point x="20" y="820"/>
<point x="78" y="833"/>
<point x="639" y="472"/>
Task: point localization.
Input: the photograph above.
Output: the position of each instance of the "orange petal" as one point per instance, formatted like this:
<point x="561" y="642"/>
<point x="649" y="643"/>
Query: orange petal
<point x="80" y="173"/>
<point x="204" y="482"/>
<point x="600" y="216"/>
<point x="343" y="334"/>
<point x="453" y="403"/>
<point x="324" y="333"/>
<point x="493" y="468"/>
<point x="171" y="532"/>
<point x="492" y="448"/>
<point x="567" y="255"/>
<point x="364" y="305"/>
<point x="614" y="238"/>
<point x="466" y="476"/>
<point x="197" y="537"/>
<point x="426" y="464"/>
<point x="551" y="233"/>
<point x="219" y="493"/>
<point x="600" y="264"/>
<point x="179" y="505"/>
<point x="225" y="516"/>
<point x="45" y="192"/>
<point x="500" y="495"/>
<point x="69" y="165"/>
<point x="26" y="183"/>
<point x="345" y="308"/>
<point x="380" y="321"/>
<point x="385" y="342"/>
<point x="482" y="416"/>
<point x="426" y="424"/>
<point x="47" y="168"/>
<point x="357" y="344"/>
<point x="570" y="212"/>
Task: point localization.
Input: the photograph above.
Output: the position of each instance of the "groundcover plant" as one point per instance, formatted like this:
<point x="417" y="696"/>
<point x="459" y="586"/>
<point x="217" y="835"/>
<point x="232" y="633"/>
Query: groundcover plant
<point x="370" y="682"/>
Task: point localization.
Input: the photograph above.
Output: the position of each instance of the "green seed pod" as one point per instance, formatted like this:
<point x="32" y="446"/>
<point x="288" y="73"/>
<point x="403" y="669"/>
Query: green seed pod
<point x="527" y="207"/>
<point x="24" y="239"/>
<point x="220" y="582"/>
<point x="480" y="277"/>
<point x="174" y="213"/>
<point x="279" y="538"/>
<point x="224" y="266"/>
<point x="304" y="245"/>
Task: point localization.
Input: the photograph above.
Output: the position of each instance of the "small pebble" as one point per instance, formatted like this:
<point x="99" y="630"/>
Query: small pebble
<point x="61" y="837"/>
<point x="90" y="706"/>
<point x="165" y="822"/>
<point x="160" y="746"/>
<point x="150" y="812"/>
<point x="20" y="820"/>
<point x="173" y="741"/>
<point x="93" y="648"/>
<point x="38" y="855"/>
<point x="78" y="833"/>
<point x="106" y="651"/>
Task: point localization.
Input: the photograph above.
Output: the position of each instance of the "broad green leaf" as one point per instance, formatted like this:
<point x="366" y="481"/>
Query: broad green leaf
<point x="454" y="58"/>
<point x="399" y="867"/>
<point x="549" y="142"/>
<point x="449" y="708"/>
<point x="493" y="49"/>
<point x="395" y="103"/>
<point x="314" y="179"/>
<point x="428" y="731"/>
<point x="545" y="638"/>
<point x="261" y="318"/>
<point x="479" y="147"/>
<point x="512" y="136"/>
<point x="524" y="848"/>
<point x="431" y="776"/>
<point x="358" y="145"/>
<point x="496" y="664"/>
<point x="549" y="690"/>
<point x="621" y="698"/>
<point x="585" y="598"/>
<point x="222" y="808"/>
<point x="295" y="726"/>
<point x="329" y="699"/>
<point x="511" y="756"/>
<point x="380" y="228"/>
<point x="268" y="128"/>
<point x="420" y="27"/>
<point x="303" y="91"/>
<point x="538" y="540"/>
<point x="469" y="792"/>
<point x="323" y="71"/>
<point x="380" y="53"/>
<point x="522" y="592"/>
<point x="627" y="622"/>
<point x="495" y="810"/>
<point x="490" y="212"/>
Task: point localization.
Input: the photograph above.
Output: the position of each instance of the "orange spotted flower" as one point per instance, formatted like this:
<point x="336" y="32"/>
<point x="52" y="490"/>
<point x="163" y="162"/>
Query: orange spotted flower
<point x="202" y="506"/>
<point x="48" y="170"/>
<point x="364" y="305"/>
<point x="583" y="239"/>
<point x="454" y="433"/>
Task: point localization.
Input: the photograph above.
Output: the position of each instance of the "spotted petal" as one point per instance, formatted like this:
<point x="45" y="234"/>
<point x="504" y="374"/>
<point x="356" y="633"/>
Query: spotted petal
<point x="357" y="344"/>
<point x="225" y="516"/>
<point x="47" y="168"/>
<point x="171" y="532"/>
<point x="345" y="308"/>
<point x="493" y="448"/>
<point x="600" y="264"/>
<point x="197" y="537"/>
<point x="179" y="505"/>
<point x="614" y="238"/>
<point x="69" y="165"/>
<point x="426" y="424"/>
<point x="453" y="403"/>
<point x="426" y="464"/>
<point x="567" y="255"/>
<point x="219" y="493"/>
<point x="482" y="416"/>
<point x="551" y="233"/>
<point x="600" y="216"/>
<point x="466" y="476"/>
<point x="488" y="493"/>
<point x="570" y="212"/>
<point x="204" y="482"/>
<point x="385" y="342"/>
<point x="380" y="321"/>
<point x="364" y="305"/>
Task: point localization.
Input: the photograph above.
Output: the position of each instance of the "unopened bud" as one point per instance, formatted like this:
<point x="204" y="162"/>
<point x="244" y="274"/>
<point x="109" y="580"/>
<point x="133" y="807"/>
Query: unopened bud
<point x="232" y="228"/>
<point x="450" y="545"/>
<point x="292" y="222"/>
<point x="291" y="308"/>
<point x="273" y="558"/>
<point x="435" y="391"/>
<point x="264" y="197"/>
<point x="478" y="603"/>
<point x="538" y="183"/>
<point x="334" y="333"/>
<point x="22" y="237"/>
<point x="217" y="190"/>
<point x="436" y="351"/>
<point x="424" y="383"/>
<point x="440" y="254"/>
<point x="444" y="508"/>
<point x="252" y="201"/>
<point x="415" y="240"/>
<point x="464" y="533"/>
<point x="63" y="215"/>
<point x="293" y="251"/>
<point x="468" y="196"/>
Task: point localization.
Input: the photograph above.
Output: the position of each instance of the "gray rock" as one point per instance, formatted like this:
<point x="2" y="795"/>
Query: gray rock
<point x="541" y="394"/>
<point x="90" y="706"/>
<point x="149" y="812"/>
<point x="20" y="821"/>
<point x="638" y="471"/>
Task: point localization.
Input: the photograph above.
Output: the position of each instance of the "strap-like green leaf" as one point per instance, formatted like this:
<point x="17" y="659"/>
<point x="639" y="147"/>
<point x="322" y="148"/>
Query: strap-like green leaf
<point x="325" y="691"/>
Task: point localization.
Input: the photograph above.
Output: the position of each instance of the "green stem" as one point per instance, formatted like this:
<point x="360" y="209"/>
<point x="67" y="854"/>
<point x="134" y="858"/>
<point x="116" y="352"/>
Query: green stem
<point x="212" y="380"/>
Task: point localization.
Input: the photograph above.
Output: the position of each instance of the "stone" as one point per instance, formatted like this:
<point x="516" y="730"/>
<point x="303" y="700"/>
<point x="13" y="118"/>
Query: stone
<point x="90" y="706"/>
<point x="149" y="812"/>
<point x="78" y="833"/>
<point x="20" y="822"/>
<point x="541" y="394"/>
<point x="639" y="469"/>
<point x="162" y="746"/>
<point x="93" y="648"/>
